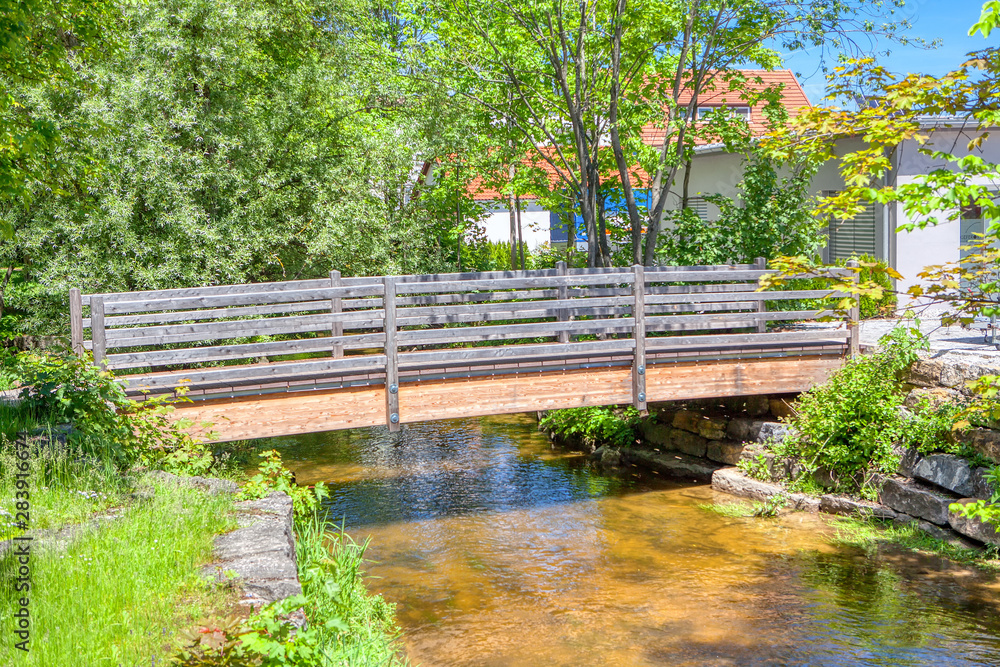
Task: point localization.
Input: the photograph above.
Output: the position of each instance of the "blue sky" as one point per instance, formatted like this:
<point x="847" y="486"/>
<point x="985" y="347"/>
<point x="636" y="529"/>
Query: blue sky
<point x="947" y="20"/>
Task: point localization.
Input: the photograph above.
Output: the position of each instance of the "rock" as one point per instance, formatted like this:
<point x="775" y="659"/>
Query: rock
<point x="742" y="429"/>
<point x="688" y="443"/>
<point x="724" y="451"/>
<point x="907" y="459"/>
<point x="936" y="531"/>
<point x="657" y="434"/>
<point x="985" y="441"/>
<point x="907" y="497"/>
<point x="825" y="478"/>
<point x="734" y="482"/>
<point x="782" y="408"/>
<point x="687" y="420"/>
<point x="925" y="373"/>
<point x="974" y="528"/>
<point x="261" y="552"/>
<point x="947" y="471"/>
<point x="953" y="375"/>
<point x="211" y="485"/>
<point x="757" y="406"/>
<point x="981" y="488"/>
<point x="849" y="506"/>
<point x="931" y="398"/>
<point x="611" y="457"/>
<point x="773" y="432"/>
<point x="712" y="429"/>
<point x="673" y="465"/>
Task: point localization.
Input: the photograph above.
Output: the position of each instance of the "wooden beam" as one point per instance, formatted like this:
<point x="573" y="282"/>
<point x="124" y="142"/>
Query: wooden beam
<point x="326" y="410"/>
<point x="336" y="307"/>
<point x="391" y="389"/>
<point x="76" y="322"/>
<point x="97" y="333"/>
<point x="639" y="336"/>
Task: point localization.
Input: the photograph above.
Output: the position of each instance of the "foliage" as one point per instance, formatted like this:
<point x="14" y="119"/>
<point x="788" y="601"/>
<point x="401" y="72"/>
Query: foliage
<point x="756" y="467"/>
<point x="875" y="271"/>
<point x="273" y="476"/>
<point x="45" y="40"/>
<point x="771" y="506"/>
<point x="849" y="424"/>
<point x="347" y="625"/>
<point x="594" y="426"/>
<point x="125" y="587"/>
<point x="988" y="511"/>
<point x="771" y="216"/>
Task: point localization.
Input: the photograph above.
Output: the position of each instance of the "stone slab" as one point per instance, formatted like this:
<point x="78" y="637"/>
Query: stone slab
<point x="835" y="504"/>
<point x="671" y="464"/>
<point x="918" y="501"/>
<point x="724" y="451"/>
<point x="947" y="471"/>
<point x="734" y="482"/>
<point x="974" y="528"/>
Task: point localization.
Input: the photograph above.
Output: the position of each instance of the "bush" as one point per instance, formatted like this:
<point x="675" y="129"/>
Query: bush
<point x="887" y="304"/>
<point x="274" y="476"/>
<point x="594" y="426"/>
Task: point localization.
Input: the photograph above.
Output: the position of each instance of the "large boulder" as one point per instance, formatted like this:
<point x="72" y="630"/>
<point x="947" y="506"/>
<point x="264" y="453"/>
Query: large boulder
<point x="657" y="434"/>
<point x="908" y="458"/>
<point x="724" y="451"/>
<point x="687" y="420"/>
<point x="947" y="471"/>
<point x="712" y="429"/>
<point x="773" y="432"/>
<point x="689" y="443"/>
<point x="974" y="528"/>
<point x="671" y="464"/>
<point x="932" y="398"/>
<point x="910" y="498"/>
<point x="852" y="507"/>
<point x="742" y="429"/>
<point x="981" y="487"/>
<point x="984" y="440"/>
<point x="925" y="373"/>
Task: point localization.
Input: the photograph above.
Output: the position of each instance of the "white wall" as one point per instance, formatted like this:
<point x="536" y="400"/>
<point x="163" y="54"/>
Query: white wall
<point x="534" y="224"/>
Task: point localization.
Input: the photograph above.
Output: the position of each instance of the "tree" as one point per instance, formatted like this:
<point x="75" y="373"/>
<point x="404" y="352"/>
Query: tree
<point x="44" y="41"/>
<point x="587" y="77"/>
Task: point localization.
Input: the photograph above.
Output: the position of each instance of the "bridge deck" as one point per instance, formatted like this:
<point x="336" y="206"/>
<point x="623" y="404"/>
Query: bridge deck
<point x="316" y="355"/>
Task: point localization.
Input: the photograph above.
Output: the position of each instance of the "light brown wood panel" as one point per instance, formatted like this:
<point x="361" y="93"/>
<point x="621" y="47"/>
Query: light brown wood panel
<point x="737" y="377"/>
<point x="250" y="417"/>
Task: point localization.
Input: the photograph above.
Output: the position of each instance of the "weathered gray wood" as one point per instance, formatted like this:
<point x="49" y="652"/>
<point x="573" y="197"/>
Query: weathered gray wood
<point x="563" y="315"/>
<point x="177" y="292"/>
<point x="514" y="353"/>
<point x="713" y="341"/>
<point x="76" y="321"/>
<point x="392" y="416"/>
<point x="761" y="264"/>
<point x="255" y="372"/>
<point x="193" y="355"/>
<point x="242" y="299"/>
<point x="165" y="317"/>
<point x="97" y="333"/>
<point x="639" y="336"/>
<point x="514" y="283"/>
<point x="727" y="320"/>
<point x="509" y="331"/>
<point x="748" y="295"/>
<point x="186" y="333"/>
<point x="336" y="307"/>
<point x="854" y="314"/>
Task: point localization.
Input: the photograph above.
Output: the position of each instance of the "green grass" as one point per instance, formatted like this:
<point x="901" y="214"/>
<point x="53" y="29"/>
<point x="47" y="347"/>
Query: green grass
<point x="731" y="510"/>
<point x="870" y="534"/>
<point x="324" y="558"/>
<point x="118" y="595"/>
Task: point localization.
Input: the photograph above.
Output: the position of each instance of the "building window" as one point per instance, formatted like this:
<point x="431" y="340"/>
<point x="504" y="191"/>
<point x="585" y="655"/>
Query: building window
<point x="699" y="206"/>
<point x="738" y="111"/>
<point x="854" y="237"/>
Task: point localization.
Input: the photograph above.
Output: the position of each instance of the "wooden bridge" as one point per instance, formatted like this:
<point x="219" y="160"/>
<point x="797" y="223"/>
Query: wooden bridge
<point x="303" y="356"/>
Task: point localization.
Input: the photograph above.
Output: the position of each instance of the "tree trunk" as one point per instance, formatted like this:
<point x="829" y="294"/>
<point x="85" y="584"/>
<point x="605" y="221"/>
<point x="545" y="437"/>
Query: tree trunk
<point x="512" y="208"/>
<point x="520" y="232"/>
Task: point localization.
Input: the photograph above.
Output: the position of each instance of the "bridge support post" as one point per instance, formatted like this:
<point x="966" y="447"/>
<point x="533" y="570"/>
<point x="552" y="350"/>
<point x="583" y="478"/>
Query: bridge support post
<point x="639" y="335"/>
<point x="97" y="335"/>
<point x="761" y="264"/>
<point x="391" y="355"/>
<point x="76" y="321"/>
<point x="854" y="314"/>
<point x="336" y="307"/>
<point x="562" y="315"/>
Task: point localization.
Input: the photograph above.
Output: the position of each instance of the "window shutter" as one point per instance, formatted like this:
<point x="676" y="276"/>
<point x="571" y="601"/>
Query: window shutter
<point x="852" y="238"/>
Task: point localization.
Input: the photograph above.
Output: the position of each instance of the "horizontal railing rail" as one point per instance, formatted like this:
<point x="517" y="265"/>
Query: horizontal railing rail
<point x="318" y="332"/>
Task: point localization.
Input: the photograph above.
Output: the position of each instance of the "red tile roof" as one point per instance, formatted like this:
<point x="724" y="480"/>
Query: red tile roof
<point x="793" y="97"/>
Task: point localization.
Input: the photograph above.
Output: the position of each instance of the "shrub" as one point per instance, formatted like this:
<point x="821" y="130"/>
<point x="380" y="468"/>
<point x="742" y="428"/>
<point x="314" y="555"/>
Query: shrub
<point x="877" y="274"/>
<point x="594" y="426"/>
<point x="274" y="476"/>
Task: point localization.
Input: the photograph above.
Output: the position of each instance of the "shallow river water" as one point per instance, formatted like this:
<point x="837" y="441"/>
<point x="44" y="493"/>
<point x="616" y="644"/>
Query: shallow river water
<point x="499" y="550"/>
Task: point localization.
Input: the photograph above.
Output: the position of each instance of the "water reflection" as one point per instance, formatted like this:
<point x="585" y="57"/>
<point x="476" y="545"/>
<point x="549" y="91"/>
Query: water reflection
<point x="501" y="551"/>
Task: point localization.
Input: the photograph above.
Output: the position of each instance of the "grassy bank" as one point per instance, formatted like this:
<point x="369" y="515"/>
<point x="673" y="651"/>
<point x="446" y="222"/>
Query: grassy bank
<point x="118" y="594"/>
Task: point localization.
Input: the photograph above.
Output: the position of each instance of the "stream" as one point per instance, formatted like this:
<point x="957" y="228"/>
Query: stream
<point x="499" y="550"/>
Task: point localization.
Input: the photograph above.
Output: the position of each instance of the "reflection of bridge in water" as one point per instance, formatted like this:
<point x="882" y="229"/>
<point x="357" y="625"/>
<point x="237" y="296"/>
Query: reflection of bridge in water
<point x="318" y="355"/>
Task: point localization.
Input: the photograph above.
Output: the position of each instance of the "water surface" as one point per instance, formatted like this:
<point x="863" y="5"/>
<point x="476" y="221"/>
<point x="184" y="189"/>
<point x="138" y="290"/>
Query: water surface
<point x="499" y="550"/>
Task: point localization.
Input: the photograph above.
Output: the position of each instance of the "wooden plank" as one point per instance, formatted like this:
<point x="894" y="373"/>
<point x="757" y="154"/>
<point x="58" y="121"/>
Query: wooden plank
<point x="639" y="337"/>
<point x="283" y="414"/>
<point x="392" y="412"/>
<point x="783" y="295"/>
<point x="336" y="307"/>
<point x="274" y="371"/>
<point x="186" y="333"/>
<point x="761" y="263"/>
<point x="193" y="355"/>
<point x="208" y="290"/>
<point x="97" y="333"/>
<point x="509" y="331"/>
<point x="242" y="299"/>
<point x="727" y="320"/>
<point x="76" y="322"/>
<point x="563" y="315"/>
<point x="715" y="341"/>
<point x="746" y="377"/>
<point x="514" y="283"/>
<point x="514" y="353"/>
<point x="854" y="314"/>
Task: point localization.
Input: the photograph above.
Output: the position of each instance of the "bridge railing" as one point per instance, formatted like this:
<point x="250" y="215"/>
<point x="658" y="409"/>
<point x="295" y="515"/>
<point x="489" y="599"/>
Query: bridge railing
<point x="336" y="331"/>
